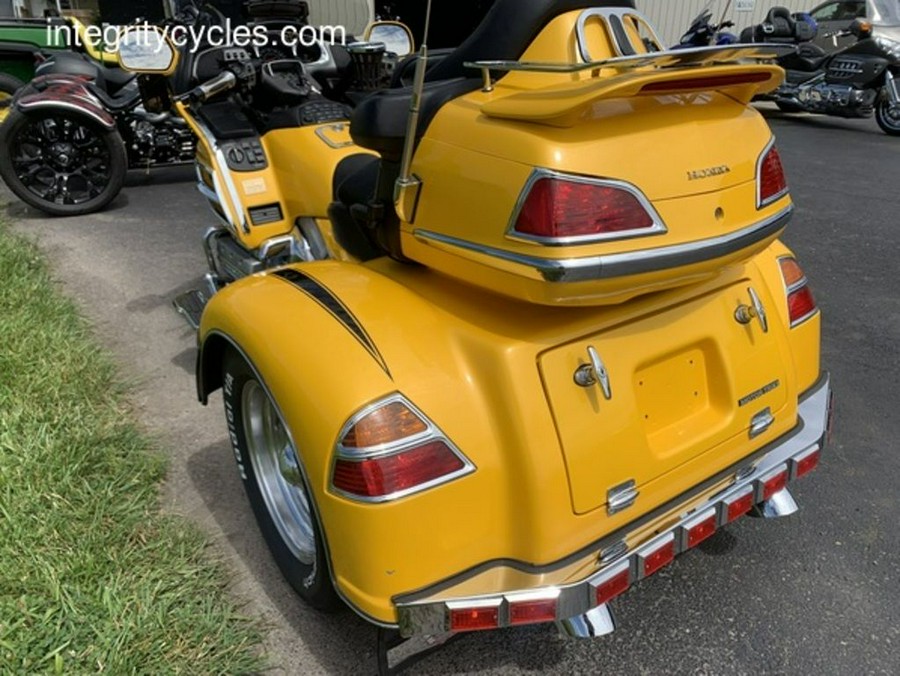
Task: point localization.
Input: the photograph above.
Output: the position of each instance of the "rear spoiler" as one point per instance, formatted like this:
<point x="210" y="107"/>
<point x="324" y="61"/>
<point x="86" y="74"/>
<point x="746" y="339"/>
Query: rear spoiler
<point x="659" y="73"/>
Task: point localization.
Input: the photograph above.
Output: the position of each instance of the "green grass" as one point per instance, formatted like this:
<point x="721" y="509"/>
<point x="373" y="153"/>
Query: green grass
<point x="93" y="578"/>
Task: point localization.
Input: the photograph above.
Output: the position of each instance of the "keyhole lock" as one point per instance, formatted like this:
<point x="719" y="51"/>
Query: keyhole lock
<point x="745" y="314"/>
<point x="594" y="373"/>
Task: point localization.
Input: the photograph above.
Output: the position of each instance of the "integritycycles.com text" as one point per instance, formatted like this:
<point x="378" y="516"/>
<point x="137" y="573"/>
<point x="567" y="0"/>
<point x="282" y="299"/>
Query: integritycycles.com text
<point x="196" y="37"/>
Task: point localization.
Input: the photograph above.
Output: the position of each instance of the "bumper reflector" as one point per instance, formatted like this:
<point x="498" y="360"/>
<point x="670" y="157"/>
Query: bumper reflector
<point x="775" y="483"/>
<point x="701" y="531"/>
<point x="658" y="557"/>
<point x="532" y="612"/>
<point x="475" y="618"/>
<point x="805" y="464"/>
<point x="613" y="585"/>
<point x="735" y="507"/>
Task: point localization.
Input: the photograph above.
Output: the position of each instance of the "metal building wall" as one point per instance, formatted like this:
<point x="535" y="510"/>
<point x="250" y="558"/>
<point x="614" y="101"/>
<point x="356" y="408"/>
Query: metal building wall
<point x="354" y="15"/>
<point x="672" y="17"/>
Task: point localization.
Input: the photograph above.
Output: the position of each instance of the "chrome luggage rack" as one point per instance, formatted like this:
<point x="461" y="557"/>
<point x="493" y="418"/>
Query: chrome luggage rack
<point x="673" y="58"/>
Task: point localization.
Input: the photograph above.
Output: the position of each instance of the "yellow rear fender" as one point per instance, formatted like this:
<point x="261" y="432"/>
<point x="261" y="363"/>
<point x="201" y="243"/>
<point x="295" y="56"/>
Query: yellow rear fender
<point x="319" y="339"/>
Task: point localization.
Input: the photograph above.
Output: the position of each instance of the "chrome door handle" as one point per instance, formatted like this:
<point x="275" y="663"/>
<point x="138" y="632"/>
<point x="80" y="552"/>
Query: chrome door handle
<point x="756" y="310"/>
<point x="594" y="373"/>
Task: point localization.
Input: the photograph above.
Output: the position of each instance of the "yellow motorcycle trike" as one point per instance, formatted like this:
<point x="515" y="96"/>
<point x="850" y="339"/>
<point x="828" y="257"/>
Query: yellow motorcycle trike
<point x="496" y="346"/>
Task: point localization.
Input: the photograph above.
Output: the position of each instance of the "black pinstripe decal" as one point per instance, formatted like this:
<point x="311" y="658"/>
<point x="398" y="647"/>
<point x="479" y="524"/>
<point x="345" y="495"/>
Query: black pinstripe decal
<point x="335" y="308"/>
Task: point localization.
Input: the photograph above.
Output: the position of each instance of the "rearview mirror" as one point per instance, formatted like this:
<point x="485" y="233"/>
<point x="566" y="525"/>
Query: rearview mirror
<point x="146" y="50"/>
<point x="396" y="37"/>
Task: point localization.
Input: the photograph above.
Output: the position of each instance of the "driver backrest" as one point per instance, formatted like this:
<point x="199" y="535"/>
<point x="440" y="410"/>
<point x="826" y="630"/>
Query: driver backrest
<point x="780" y="25"/>
<point x="507" y="30"/>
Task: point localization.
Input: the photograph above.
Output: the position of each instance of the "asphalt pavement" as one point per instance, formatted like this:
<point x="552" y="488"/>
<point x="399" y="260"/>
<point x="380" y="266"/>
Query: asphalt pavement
<point x="818" y="593"/>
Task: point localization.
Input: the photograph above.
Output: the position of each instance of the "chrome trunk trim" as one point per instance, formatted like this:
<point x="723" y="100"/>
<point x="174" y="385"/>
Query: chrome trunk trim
<point x="610" y="266"/>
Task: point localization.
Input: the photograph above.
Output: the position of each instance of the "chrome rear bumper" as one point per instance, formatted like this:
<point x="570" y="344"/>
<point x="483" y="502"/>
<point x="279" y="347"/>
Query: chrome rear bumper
<point x="761" y="487"/>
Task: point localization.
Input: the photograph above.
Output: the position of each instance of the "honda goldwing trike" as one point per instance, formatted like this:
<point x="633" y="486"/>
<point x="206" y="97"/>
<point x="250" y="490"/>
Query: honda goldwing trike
<point x="496" y="347"/>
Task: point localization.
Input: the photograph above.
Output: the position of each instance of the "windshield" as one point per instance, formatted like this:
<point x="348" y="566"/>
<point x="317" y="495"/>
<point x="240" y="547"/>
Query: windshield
<point x="884" y="12"/>
<point x="705" y="15"/>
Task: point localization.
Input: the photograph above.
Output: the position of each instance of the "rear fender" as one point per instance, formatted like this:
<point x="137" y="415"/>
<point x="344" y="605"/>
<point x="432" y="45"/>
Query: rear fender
<point x="68" y="92"/>
<point x="318" y="336"/>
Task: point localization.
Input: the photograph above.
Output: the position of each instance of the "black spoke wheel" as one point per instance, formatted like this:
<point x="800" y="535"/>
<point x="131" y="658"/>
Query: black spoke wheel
<point x="270" y="467"/>
<point x="62" y="162"/>
<point x="887" y="114"/>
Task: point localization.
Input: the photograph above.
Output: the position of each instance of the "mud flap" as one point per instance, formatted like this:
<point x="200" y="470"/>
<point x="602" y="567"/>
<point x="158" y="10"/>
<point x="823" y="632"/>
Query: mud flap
<point x="396" y="654"/>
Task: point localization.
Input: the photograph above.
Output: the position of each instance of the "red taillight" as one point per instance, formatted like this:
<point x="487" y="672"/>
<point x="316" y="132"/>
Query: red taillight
<point x="390" y="451"/>
<point x="774" y="484"/>
<point x="616" y="584"/>
<point x="703" y="530"/>
<point x="807" y="463"/>
<point x="568" y="210"/>
<point x="801" y="305"/>
<point x="738" y="506"/>
<point x="532" y="612"/>
<point x="662" y="556"/>
<point x="800" y="299"/>
<point x="771" y="180"/>
<point x="474" y="619"/>
<point x="387" y="475"/>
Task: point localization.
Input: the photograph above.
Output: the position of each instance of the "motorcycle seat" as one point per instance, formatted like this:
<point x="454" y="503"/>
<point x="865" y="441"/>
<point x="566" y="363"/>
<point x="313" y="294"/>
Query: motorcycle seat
<point x="111" y="80"/>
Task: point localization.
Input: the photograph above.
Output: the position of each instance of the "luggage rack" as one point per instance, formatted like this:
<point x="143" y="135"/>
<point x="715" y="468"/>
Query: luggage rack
<point x="675" y="58"/>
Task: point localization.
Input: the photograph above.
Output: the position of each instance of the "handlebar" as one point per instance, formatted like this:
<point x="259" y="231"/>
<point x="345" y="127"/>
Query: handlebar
<point x="218" y="85"/>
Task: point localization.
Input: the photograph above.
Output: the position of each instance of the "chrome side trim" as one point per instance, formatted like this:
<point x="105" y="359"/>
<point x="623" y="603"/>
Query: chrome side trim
<point x="611" y="266"/>
<point x="596" y="623"/>
<point x="429" y="616"/>
<point x="657" y="228"/>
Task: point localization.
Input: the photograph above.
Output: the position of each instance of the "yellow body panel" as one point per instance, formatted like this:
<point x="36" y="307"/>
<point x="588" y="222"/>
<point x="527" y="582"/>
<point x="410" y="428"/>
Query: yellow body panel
<point x="470" y="361"/>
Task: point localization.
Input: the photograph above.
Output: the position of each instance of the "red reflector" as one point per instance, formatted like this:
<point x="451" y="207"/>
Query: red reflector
<point x="660" y="558"/>
<point x="386" y="475"/>
<point x="774" y="485"/>
<point x="705" y="82"/>
<point x="801" y="305"/>
<point x="740" y="507"/>
<point x="613" y="587"/>
<point x="474" y="619"/>
<point x="701" y="531"/>
<point x="559" y="209"/>
<point x="808" y="464"/>
<point x="532" y="612"/>
<point x="772" y="183"/>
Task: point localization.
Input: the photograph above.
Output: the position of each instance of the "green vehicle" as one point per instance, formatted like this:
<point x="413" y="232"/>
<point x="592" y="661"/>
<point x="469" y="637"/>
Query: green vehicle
<point x="21" y="41"/>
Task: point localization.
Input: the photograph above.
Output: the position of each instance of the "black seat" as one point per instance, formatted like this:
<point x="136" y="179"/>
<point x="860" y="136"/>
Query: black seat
<point x="110" y="80"/>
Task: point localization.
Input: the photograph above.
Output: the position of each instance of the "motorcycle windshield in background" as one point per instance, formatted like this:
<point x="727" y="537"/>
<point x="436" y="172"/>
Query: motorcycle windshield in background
<point x="884" y="12"/>
<point x="704" y="16"/>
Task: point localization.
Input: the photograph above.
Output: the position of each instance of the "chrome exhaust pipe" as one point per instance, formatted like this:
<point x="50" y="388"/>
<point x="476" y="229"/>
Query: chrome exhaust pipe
<point x="779" y="505"/>
<point x="593" y="624"/>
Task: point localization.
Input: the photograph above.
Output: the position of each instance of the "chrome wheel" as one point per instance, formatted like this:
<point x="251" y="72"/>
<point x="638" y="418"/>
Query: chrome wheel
<point x="278" y="473"/>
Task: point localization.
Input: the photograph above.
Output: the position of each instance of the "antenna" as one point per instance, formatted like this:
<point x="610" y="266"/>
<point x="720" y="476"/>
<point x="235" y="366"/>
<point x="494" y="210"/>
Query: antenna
<point x="406" y="190"/>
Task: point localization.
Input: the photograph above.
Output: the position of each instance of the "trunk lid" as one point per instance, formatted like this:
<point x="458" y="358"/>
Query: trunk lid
<point x="682" y="382"/>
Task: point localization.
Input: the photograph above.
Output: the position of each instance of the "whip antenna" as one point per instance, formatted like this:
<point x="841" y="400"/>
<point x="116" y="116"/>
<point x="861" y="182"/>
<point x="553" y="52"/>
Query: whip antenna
<point x="406" y="190"/>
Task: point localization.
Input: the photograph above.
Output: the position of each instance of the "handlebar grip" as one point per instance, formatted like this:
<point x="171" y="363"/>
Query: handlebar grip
<point x="219" y="84"/>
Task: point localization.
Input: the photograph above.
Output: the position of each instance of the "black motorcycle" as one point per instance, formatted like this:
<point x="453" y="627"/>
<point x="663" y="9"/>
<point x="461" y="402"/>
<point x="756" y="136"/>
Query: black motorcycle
<point x="78" y="127"/>
<point x="856" y="82"/>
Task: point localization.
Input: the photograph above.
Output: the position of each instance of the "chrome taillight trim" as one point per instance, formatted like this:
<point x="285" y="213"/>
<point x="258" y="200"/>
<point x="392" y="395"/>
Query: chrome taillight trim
<point x="431" y="434"/>
<point x="577" y="598"/>
<point x="794" y="288"/>
<point x="760" y="202"/>
<point x="658" y="227"/>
